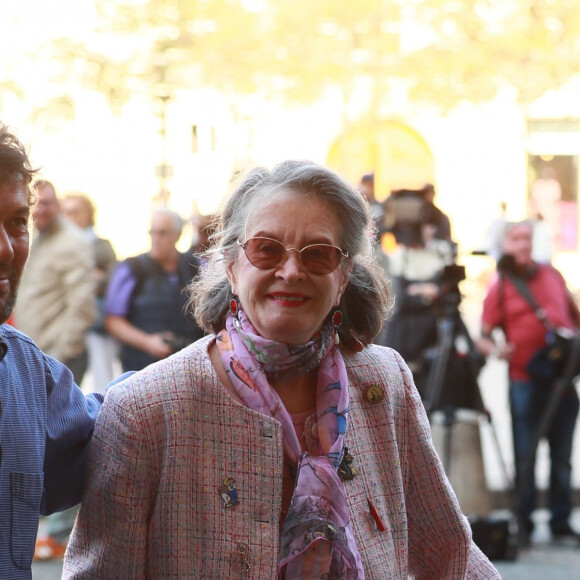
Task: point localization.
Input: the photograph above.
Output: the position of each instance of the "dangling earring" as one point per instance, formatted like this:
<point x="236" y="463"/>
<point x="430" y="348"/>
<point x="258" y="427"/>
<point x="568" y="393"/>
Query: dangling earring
<point x="234" y="311"/>
<point x="336" y="322"/>
<point x="234" y="307"/>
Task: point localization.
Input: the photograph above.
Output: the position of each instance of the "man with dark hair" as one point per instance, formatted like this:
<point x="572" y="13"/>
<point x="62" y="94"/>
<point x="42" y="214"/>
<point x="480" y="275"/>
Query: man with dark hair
<point x="45" y="421"/>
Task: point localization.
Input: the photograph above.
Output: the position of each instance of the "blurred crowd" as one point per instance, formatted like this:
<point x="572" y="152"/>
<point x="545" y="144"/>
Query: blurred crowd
<point x="529" y="319"/>
<point x="92" y="312"/>
<point x="100" y="316"/>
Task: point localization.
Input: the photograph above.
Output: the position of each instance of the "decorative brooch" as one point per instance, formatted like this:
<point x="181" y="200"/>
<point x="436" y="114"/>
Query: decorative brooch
<point x="346" y="471"/>
<point x="228" y="492"/>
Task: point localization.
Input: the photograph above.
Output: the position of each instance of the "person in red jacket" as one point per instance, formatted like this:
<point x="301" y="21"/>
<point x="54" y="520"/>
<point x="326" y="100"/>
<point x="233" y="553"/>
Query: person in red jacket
<point x="507" y="309"/>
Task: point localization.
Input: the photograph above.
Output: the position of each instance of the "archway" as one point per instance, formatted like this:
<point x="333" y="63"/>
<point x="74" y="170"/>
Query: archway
<point x="396" y="153"/>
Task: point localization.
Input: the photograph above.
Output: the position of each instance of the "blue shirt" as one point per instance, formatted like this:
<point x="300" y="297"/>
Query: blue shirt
<point x="45" y="427"/>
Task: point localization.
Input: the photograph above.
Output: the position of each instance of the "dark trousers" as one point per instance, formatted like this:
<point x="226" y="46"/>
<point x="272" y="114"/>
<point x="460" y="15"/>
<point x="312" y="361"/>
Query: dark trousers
<point x="527" y="403"/>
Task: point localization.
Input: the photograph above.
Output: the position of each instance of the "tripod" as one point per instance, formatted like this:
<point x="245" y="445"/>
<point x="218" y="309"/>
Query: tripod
<point x="452" y="385"/>
<point x="450" y="327"/>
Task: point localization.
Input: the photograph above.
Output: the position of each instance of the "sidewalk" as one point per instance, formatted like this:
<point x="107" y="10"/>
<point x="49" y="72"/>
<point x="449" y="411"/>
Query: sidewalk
<point x="544" y="560"/>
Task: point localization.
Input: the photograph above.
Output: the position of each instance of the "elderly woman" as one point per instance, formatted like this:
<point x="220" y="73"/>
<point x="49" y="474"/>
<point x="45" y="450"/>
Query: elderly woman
<point x="280" y="446"/>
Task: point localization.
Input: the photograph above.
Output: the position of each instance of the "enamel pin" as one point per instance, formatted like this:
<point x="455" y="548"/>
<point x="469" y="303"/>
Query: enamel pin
<point x="228" y="492"/>
<point x="346" y="471"/>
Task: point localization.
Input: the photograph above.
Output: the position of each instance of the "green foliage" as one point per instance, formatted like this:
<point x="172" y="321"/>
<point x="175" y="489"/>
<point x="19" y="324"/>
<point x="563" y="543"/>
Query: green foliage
<point x="440" y="51"/>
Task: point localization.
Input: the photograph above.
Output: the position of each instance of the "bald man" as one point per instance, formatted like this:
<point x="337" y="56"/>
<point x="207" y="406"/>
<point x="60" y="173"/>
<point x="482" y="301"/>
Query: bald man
<point x="146" y="301"/>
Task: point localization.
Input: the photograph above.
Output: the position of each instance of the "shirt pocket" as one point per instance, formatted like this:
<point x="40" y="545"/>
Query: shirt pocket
<point x="25" y="497"/>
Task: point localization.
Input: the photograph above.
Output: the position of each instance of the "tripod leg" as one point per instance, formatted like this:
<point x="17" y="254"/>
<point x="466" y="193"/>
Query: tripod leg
<point x="437" y="372"/>
<point x="508" y="480"/>
<point x="449" y="419"/>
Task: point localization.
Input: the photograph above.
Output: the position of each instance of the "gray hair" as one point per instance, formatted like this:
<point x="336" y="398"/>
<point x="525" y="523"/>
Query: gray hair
<point x="509" y="226"/>
<point x="365" y="302"/>
<point x="178" y="221"/>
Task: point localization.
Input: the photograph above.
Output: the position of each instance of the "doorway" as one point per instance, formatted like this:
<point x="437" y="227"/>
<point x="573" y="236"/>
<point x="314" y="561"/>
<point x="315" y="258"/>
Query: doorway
<point x="553" y="197"/>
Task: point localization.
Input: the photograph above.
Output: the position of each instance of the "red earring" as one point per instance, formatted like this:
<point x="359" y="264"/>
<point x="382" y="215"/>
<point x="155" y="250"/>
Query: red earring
<point x="234" y="307"/>
<point x="336" y="322"/>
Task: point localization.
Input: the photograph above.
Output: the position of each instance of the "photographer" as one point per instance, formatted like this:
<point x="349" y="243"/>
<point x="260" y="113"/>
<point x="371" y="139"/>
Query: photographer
<point x="524" y="326"/>
<point x="416" y="269"/>
<point x="145" y="302"/>
<point x="440" y="221"/>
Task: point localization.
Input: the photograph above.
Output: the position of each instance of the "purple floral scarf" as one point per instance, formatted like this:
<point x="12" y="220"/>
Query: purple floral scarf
<point x="316" y="539"/>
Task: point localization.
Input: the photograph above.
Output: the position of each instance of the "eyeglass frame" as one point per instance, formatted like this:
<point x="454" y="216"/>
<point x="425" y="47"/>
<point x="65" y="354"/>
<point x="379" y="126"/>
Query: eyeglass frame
<point x="343" y="254"/>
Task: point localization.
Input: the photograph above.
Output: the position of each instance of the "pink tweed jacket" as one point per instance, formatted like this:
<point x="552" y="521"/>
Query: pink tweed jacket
<point x="168" y="437"/>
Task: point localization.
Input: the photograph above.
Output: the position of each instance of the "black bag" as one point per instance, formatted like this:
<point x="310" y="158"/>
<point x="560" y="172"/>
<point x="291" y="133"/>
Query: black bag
<point x="548" y="363"/>
<point x="496" y="536"/>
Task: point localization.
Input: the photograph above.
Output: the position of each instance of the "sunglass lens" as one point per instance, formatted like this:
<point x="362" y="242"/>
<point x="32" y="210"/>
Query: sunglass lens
<point x="320" y="259"/>
<point x="264" y="253"/>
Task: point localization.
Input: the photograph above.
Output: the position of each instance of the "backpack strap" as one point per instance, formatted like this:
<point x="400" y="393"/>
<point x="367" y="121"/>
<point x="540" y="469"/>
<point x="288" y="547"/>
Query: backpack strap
<point x="142" y="266"/>
<point x="139" y="267"/>
<point x="522" y="287"/>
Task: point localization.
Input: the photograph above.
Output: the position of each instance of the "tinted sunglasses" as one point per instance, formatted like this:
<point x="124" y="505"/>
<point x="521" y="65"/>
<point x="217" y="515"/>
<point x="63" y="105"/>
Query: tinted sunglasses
<point x="267" y="254"/>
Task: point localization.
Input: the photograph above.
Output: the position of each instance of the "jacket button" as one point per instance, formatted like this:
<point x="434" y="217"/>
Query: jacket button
<point x="314" y="430"/>
<point x="374" y="394"/>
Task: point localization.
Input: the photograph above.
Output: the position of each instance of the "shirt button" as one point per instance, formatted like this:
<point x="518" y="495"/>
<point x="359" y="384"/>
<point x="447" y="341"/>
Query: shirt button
<point x="374" y="394"/>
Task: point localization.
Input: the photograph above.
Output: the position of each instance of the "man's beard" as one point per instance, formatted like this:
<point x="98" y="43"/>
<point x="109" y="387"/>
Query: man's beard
<point x="6" y="309"/>
<point x="7" y="306"/>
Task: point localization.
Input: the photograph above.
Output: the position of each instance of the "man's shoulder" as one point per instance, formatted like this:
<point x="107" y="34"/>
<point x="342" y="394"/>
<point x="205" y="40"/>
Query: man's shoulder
<point x="68" y="239"/>
<point x="546" y="275"/>
<point x="19" y="344"/>
<point x="139" y="267"/>
<point x="8" y="333"/>
<point x="70" y="231"/>
<point x="139" y="262"/>
<point x="144" y="257"/>
<point x="103" y="245"/>
<point x="549" y="269"/>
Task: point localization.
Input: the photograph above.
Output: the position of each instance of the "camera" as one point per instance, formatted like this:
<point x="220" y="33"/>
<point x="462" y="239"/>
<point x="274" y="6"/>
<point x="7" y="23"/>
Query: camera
<point x="451" y="275"/>
<point x="406" y="211"/>
<point x="449" y="280"/>
<point x="177" y="342"/>
<point x="507" y="264"/>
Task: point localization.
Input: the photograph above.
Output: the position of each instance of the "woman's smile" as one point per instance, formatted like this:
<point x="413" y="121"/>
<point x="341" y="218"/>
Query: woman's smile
<point x="288" y="300"/>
